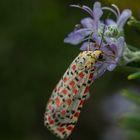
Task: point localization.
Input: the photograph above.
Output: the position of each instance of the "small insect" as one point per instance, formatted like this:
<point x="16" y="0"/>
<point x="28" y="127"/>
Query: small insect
<point x="67" y="99"/>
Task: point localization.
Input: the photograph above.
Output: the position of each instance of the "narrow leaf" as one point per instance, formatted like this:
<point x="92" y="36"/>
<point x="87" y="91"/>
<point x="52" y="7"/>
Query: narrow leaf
<point x="134" y="76"/>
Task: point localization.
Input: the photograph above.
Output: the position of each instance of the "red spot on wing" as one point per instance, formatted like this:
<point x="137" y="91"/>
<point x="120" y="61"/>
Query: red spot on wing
<point x="58" y="102"/>
<point x="91" y="75"/>
<point x="82" y="102"/>
<point x="73" y="67"/>
<point x="65" y="79"/>
<point x="81" y="74"/>
<point x="49" y="107"/>
<point x="76" y="114"/>
<point x="72" y="83"/>
<point x="64" y="91"/>
<point x="69" y="101"/>
<point x="74" y="91"/>
<point x="60" y="129"/>
<point x="50" y="120"/>
<point x="86" y="90"/>
<point x="70" y="128"/>
<point x="63" y="112"/>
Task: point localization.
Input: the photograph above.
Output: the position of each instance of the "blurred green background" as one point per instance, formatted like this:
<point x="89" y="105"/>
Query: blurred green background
<point x="33" y="58"/>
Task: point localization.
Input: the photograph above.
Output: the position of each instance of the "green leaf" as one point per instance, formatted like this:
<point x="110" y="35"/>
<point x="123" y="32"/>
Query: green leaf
<point x="135" y="23"/>
<point x="131" y="56"/>
<point x="134" y="76"/>
<point x="131" y="96"/>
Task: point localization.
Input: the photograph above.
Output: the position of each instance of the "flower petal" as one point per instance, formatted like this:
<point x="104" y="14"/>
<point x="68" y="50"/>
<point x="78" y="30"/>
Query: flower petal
<point x="111" y="67"/>
<point x="123" y="18"/>
<point x="97" y="38"/>
<point x="100" y="70"/>
<point x="120" y="46"/>
<point x="87" y="22"/>
<point x="88" y="46"/>
<point x="77" y="36"/>
<point x="110" y="22"/>
<point x="97" y="11"/>
<point x="113" y="47"/>
<point x="116" y="45"/>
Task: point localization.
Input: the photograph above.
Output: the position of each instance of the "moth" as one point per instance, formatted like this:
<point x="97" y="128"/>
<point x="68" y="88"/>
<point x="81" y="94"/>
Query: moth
<point x="68" y="97"/>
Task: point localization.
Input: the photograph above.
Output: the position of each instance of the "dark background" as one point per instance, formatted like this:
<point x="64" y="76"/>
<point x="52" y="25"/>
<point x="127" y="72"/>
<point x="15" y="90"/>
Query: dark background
<point x="33" y="58"/>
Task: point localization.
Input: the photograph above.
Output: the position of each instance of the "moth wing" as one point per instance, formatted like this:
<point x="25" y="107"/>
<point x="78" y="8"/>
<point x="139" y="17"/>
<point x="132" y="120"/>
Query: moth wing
<point x="66" y="101"/>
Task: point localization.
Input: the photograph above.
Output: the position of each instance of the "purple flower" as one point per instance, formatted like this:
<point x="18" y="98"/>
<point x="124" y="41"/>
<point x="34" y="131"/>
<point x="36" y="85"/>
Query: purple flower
<point x="107" y="36"/>
<point x="89" y="25"/>
<point x="121" y="17"/>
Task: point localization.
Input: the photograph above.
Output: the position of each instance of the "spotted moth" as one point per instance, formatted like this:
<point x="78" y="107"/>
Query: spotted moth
<point x="67" y="99"/>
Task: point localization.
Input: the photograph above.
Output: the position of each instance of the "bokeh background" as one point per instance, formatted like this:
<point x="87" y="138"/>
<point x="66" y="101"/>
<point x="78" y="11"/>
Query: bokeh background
<point x="33" y="58"/>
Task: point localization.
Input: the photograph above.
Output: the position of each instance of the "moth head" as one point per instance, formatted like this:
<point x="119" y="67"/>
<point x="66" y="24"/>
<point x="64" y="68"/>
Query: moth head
<point x="98" y="54"/>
